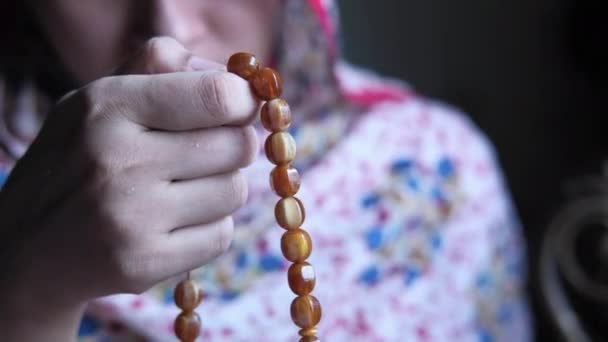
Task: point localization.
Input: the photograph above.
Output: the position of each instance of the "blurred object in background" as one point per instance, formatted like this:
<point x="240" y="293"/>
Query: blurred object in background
<point x="532" y="74"/>
<point x="573" y="263"/>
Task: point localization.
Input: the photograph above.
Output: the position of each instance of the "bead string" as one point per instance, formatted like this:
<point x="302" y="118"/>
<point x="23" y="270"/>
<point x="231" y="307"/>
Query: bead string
<point x="187" y="297"/>
<point x="296" y="244"/>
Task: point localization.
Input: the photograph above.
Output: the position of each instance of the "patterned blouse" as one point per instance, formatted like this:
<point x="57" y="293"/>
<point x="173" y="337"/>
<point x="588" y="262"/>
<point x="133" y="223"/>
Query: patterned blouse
<point x="415" y="235"/>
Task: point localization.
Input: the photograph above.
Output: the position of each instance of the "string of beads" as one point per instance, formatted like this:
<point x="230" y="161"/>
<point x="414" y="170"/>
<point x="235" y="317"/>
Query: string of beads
<point x="296" y="244"/>
<point x="187" y="297"/>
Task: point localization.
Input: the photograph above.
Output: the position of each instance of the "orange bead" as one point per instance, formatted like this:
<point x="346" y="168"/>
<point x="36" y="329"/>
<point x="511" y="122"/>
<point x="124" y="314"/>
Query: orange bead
<point x="285" y="180"/>
<point x="308" y="332"/>
<point x="187" y="326"/>
<point x="296" y="245"/>
<point x="187" y="295"/>
<point x="306" y="311"/>
<point x="280" y="148"/>
<point x="276" y="115"/>
<point x="310" y="339"/>
<point x="309" y="335"/>
<point x="267" y="84"/>
<point x="301" y="278"/>
<point x="243" y="64"/>
<point x="289" y="213"/>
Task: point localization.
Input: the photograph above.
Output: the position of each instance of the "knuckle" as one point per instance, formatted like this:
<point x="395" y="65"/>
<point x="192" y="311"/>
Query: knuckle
<point x="106" y="162"/>
<point x="156" y="44"/>
<point x="154" y="51"/>
<point x="108" y="214"/>
<point x="106" y="150"/>
<point x="225" y="234"/>
<point x="238" y="189"/>
<point x="250" y="146"/>
<point x="101" y="98"/>
<point x="132" y="273"/>
<point x="103" y="161"/>
<point x="120" y="218"/>
<point x="214" y="90"/>
<point x="92" y="94"/>
<point x="138" y="265"/>
<point x="100" y="166"/>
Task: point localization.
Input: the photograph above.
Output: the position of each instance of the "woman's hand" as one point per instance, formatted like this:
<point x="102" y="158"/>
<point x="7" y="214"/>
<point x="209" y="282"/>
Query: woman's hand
<point x="132" y="179"/>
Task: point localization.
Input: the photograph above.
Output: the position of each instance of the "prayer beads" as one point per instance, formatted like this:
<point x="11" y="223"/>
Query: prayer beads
<point x="301" y="278"/>
<point x="309" y="339"/>
<point x="289" y="212"/>
<point x="280" y="148"/>
<point x="285" y="180"/>
<point x="187" y="297"/>
<point x="296" y="244"/>
<point x="306" y="311"/>
<point x="244" y="65"/>
<point x="267" y="84"/>
<point x="276" y="115"/>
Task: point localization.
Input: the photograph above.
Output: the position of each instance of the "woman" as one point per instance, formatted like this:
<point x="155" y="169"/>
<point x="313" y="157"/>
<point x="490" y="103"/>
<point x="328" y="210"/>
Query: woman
<point x="134" y="179"/>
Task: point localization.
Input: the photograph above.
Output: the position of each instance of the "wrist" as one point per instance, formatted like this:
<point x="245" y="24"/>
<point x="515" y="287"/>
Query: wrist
<point x="24" y="318"/>
<point x="33" y="307"/>
<point x="40" y="324"/>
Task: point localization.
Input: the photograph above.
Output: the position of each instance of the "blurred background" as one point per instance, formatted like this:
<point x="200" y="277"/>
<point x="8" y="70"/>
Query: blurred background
<point x="533" y="75"/>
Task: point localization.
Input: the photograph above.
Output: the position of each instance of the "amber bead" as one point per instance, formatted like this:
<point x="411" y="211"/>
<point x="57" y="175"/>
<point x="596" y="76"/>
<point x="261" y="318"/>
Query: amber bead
<point x="285" y="180"/>
<point x="243" y="64"/>
<point x="276" y="115"/>
<point x="309" y="335"/>
<point x="296" y="245"/>
<point x="187" y="326"/>
<point x="308" y="332"/>
<point x="267" y="84"/>
<point x="310" y="339"/>
<point x="187" y="295"/>
<point x="289" y="212"/>
<point x="280" y="148"/>
<point x="306" y="311"/>
<point x="301" y="278"/>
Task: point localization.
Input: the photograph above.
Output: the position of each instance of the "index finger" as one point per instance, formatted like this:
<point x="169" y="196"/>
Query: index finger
<point x="179" y="101"/>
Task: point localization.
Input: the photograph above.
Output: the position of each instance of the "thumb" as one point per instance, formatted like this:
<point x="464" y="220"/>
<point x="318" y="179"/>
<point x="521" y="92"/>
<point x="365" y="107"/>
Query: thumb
<point x="164" y="55"/>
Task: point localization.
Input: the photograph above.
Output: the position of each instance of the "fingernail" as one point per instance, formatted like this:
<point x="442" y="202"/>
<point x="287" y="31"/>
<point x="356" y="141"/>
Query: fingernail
<point x="197" y="64"/>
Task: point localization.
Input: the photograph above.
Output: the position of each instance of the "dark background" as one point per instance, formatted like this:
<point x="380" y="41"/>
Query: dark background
<point x="532" y="74"/>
